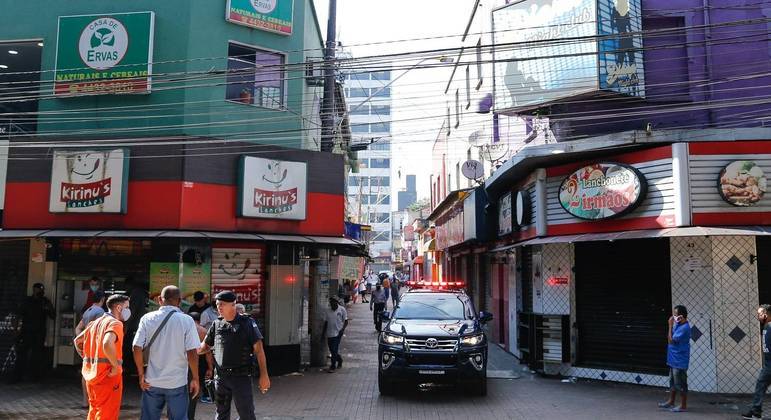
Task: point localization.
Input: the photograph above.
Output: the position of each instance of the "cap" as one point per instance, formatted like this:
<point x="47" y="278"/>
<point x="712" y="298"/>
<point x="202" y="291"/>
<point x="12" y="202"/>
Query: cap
<point x="226" y="296"/>
<point x="198" y="295"/>
<point x="38" y="286"/>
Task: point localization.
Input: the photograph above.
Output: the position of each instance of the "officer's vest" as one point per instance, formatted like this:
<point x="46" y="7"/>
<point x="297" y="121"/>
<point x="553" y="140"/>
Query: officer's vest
<point x="232" y="350"/>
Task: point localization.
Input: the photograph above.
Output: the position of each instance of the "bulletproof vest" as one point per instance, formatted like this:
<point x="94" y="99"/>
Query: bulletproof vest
<point x="232" y="350"/>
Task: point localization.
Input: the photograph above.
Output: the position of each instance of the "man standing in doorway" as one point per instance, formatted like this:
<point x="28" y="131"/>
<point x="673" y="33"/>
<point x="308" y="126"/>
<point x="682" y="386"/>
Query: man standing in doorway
<point x="764" y="378"/>
<point x="101" y="347"/>
<point x="378" y="300"/>
<point x="30" y="342"/>
<point x="173" y="344"/>
<point x="335" y="322"/>
<point x="237" y="344"/>
<point x="678" y="356"/>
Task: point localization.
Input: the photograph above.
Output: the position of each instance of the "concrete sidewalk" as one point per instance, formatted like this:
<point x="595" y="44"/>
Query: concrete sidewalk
<point x="352" y="394"/>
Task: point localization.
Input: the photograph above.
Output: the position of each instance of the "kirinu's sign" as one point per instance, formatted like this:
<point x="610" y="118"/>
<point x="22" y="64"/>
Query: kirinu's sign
<point x="272" y="188"/>
<point x="89" y="181"/>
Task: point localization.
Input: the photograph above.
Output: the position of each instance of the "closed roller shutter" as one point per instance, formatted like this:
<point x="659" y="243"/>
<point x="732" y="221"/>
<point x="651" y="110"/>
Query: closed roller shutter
<point x="623" y="300"/>
<point x="14" y="259"/>
<point x="764" y="269"/>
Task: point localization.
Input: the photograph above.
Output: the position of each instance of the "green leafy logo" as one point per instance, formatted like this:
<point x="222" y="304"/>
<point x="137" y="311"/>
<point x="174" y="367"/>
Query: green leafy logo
<point x="102" y="36"/>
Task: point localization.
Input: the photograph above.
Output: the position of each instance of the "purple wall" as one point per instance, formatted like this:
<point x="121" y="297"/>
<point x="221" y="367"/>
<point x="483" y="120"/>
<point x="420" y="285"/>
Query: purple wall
<point x="684" y="75"/>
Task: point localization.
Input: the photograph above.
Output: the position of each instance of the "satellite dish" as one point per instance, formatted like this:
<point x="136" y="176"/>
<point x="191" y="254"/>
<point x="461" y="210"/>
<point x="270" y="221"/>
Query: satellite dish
<point x="476" y="137"/>
<point x="473" y="169"/>
<point x="496" y="151"/>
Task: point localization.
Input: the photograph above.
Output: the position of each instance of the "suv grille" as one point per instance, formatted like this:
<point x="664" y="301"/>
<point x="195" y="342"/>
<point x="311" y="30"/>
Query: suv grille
<point x="431" y="344"/>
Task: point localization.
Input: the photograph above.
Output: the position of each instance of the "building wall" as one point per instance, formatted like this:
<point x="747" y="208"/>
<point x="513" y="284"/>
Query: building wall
<point x="180" y="47"/>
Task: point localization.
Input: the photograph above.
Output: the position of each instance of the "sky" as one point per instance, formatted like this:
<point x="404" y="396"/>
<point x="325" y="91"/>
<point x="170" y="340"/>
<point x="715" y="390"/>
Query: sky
<point x="418" y="95"/>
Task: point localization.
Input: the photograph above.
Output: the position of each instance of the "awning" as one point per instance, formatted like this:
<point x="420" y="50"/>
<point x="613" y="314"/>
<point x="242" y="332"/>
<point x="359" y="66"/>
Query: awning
<point x="143" y="234"/>
<point x="645" y="234"/>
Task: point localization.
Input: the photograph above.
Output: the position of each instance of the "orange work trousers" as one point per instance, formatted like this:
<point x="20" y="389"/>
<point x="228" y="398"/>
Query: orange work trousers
<point x="104" y="397"/>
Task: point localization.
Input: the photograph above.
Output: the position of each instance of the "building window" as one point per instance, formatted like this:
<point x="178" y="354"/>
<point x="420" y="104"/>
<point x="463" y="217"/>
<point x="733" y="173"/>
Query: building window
<point x="380" y="163"/>
<point x="358" y="76"/>
<point x="384" y="93"/>
<point x="359" y="93"/>
<point x="381" y="75"/>
<point x="379" y="218"/>
<point x="380" y="145"/>
<point x="468" y="87"/>
<point x="359" y="128"/>
<point x="359" y="110"/>
<point x="479" y="63"/>
<point x="381" y="237"/>
<point x="381" y="110"/>
<point x="255" y="77"/>
<point x="379" y="199"/>
<point x="382" y="181"/>
<point x="381" y="127"/>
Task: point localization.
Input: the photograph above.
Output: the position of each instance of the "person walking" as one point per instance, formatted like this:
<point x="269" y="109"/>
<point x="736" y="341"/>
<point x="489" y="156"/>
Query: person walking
<point x="237" y="344"/>
<point x="363" y="290"/>
<point x="394" y="292"/>
<point x="764" y="377"/>
<point x="94" y="285"/>
<point x="386" y="285"/>
<point x="34" y="313"/>
<point x="171" y="342"/>
<point x="335" y="323"/>
<point x="101" y="347"/>
<point x="678" y="357"/>
<point x="93" y="313"/>
<point x="378" y="300"/>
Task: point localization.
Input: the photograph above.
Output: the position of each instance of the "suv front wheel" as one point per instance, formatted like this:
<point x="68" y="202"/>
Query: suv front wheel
<point x="477" y="387"/>
<point x="384" y="385"/>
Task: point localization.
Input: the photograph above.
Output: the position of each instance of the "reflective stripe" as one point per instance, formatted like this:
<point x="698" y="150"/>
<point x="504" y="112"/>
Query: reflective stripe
<point x="90" y="360"/>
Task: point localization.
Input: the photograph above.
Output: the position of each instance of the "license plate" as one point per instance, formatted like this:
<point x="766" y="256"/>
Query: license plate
<point x="431" y="372"/>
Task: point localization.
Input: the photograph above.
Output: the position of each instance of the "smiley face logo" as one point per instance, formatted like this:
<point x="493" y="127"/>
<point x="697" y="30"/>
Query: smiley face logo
<point x="84" y="166"/>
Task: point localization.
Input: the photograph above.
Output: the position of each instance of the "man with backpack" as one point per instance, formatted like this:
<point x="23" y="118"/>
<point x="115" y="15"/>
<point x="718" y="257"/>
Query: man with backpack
<point x="167" y="340"/>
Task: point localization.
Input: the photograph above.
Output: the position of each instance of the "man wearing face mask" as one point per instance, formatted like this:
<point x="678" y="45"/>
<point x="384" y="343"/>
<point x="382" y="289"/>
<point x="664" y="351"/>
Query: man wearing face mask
<point x="764" y="378"/>
<point x="33" y="313"/>
<point x="335" y="322"/>
<point x="101" y="347"/>
<point x="94" y="285"/>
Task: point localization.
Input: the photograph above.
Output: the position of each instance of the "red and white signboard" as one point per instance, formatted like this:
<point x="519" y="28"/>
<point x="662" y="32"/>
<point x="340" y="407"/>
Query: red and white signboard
<point x="240" y="270"/>
<point x="89" y="181"/>
<point x="272" y="189"/>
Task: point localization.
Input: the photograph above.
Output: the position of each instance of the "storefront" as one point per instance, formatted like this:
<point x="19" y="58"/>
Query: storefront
<point x="265" y="228"/>
<point x="620" y="237"/>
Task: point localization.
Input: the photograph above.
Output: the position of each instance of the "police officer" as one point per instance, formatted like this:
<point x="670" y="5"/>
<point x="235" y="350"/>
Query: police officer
<point x="237" y="343"/>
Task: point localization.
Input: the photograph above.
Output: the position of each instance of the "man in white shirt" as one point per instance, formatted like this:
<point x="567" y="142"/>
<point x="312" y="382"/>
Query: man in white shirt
<point x="335" y="322"/>
<point x="171" y="353"/>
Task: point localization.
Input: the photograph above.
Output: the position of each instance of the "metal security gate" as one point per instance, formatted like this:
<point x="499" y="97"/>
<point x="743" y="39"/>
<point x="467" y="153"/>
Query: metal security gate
<point x="623" y="301"/>
<point x="763" y="246"/>
<point x="14" y="260"/>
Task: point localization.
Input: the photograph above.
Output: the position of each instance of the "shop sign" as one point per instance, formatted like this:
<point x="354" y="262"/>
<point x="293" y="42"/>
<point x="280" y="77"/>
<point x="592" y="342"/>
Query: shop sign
<point x="523" y="207"/>
<point x="240" y="270"/>
<point x="162" y="275"/>
<point x="98" y="54"/>
<point x="504" y="215"/>
<point x="619" y="24"/>
<point x="450" y="232"/>
<point x="195" y="277"/>
<point x="348" y="268"/>
<point x="89" y="181"/>
<point x="267" y="15"/>
<point x="602" y="191"/>
<point x="742" y="183"/>
<point x="272" y="189"/>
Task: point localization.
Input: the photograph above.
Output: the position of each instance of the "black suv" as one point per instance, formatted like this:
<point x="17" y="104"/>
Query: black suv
<point x="433" y="336"/>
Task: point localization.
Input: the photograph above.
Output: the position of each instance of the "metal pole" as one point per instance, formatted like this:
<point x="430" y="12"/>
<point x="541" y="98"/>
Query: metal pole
<point x="328" y="105"/>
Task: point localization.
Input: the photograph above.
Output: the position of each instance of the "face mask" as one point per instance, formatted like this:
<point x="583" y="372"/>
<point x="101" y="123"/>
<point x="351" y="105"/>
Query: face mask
<point x="125" y="314"/>
<point x="94" y="288"/>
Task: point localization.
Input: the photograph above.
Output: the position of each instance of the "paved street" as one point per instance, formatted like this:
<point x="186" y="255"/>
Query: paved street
<point x="352" y="394"/>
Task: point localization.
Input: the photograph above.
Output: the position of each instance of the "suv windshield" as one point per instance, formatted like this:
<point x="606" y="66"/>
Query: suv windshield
<point x="439" y="307"/>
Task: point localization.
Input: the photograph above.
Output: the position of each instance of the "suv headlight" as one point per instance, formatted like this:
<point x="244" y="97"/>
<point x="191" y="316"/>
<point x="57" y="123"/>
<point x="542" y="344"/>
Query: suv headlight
<point x="472" y="340"/>
<point x="392" y="339"/>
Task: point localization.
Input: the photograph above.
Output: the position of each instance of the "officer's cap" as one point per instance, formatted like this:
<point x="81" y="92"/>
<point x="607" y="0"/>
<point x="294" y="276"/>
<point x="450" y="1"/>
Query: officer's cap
<point x="226" y="296"/>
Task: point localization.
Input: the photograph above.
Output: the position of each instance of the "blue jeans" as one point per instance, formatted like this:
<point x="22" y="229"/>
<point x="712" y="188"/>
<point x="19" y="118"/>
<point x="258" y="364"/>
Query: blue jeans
<point x="334" y="349"/>
<point x="762" y="384"/>
<point x="154" y="399"/>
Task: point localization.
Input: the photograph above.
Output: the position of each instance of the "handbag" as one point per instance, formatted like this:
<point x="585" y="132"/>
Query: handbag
<point x="146" y="349"/>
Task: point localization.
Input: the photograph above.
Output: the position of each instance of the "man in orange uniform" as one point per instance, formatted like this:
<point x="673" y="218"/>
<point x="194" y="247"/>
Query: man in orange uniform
<point x="100" y="345"/>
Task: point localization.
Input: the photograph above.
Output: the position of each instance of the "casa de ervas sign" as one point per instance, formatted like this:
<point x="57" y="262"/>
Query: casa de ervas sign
<point x="272" y="189"/>
<point x="602" y="191"/>
<point x="89" y="181"/>
<point x="100" y="54"/>
<point x="268" y="15"/>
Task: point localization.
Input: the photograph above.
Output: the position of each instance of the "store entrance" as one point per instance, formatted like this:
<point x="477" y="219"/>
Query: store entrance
<point x="763" y="247"/>
<point x="623" y="300"/>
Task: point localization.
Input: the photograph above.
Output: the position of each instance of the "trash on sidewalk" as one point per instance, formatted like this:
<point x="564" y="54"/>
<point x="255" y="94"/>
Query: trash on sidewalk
<point x="570" y="380"/>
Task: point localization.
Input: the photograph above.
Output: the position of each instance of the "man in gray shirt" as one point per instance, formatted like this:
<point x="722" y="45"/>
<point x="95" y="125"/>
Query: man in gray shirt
<point x="174" y="350"/>
<point x="379" y="299"/>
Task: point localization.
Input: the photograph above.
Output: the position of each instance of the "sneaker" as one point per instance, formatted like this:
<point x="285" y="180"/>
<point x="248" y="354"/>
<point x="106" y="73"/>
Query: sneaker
<point x="206" y="400"/>
<point x="331" y="370"/>
<point x="666" y="405"/>
<point x="752" y="415"/>
<point x="678" y="409"/>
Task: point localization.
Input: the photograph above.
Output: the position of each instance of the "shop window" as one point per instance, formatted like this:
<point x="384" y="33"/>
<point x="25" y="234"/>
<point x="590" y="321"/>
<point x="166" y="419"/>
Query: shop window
<point x="20" y="64"/>
<point x="255" y="77"/>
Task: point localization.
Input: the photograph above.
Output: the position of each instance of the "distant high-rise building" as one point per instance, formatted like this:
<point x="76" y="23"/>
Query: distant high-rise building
<point x="368" y="95"/>
<point x="408" y="196"/>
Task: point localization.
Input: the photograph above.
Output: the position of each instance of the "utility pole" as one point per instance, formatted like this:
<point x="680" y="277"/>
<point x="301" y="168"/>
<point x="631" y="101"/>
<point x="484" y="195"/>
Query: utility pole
<point x="328" y="104"/>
